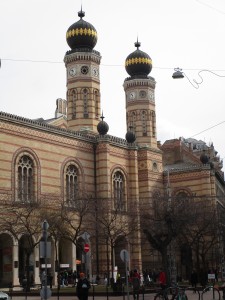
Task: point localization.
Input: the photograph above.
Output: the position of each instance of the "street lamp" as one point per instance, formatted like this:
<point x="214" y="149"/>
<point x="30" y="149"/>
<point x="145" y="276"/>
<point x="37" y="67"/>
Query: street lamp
<point x="179" y="74"/>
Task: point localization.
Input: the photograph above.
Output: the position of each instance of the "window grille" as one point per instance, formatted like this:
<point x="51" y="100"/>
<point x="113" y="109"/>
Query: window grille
<point x="118" y="186"/>
<point x="25" y="179"/>
<point x="71" y="185"/>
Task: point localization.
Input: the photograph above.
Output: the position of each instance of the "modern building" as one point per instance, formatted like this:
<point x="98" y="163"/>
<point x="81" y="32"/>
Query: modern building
<point x="54" y="161"/>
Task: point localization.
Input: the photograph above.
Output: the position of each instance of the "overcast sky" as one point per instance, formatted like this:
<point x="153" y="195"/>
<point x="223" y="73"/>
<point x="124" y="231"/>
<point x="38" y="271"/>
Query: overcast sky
<point x="188" y="34"/>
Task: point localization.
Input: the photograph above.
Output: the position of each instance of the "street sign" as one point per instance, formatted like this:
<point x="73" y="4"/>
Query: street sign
<point x="45" y="293"/>
<point x="85" y="236"/>
<point x="86" y="248"/>
<point x="124" y="255"/>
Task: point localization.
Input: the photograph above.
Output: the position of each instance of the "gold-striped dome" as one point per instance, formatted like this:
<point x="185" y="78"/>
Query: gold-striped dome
<point x="138" y="63"/>
<point x="81" y="34"/>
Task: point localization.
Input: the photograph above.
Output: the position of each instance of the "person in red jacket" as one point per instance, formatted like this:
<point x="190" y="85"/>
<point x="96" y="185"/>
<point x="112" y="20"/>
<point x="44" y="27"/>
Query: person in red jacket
<point x="162" y="279"/>
<point x="136" y="283"/>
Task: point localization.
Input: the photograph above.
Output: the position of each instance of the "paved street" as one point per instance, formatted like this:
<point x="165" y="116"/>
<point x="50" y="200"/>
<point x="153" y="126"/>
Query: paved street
<point x="191" y="296"/>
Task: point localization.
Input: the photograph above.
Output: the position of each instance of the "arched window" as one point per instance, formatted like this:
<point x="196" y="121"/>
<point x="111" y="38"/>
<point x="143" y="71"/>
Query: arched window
<point x="85" y="102"/>
<point x="25" y="179"/>
<point x="153" y="124"/>
<point x="133" y="121"/>
<point x="118" y="191"/>
<point x="71" y="185"/>
<point x="74" y="103"/>
<point x="144" y="122"/>
<point x="181" y="198"/>
<point x="96" y="103"/>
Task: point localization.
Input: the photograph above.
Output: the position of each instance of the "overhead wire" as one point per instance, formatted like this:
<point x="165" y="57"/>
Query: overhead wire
<point x="104" y="65"/>
<point x="208" y="128"/>
<point x="211" y="7"/>
<point x="111" y="65"/>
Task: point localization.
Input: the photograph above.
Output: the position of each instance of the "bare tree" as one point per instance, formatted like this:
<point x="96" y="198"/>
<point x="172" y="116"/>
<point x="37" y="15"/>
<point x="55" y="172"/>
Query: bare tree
<point x="202" y="235"/>
<point x="163" y="219"/>
<point x="112" y="222"/>
<point x="74" y="218"/>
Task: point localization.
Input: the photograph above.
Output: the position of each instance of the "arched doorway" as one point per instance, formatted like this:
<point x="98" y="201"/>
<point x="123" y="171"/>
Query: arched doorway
<point x="80" y="255"/>
<point x="65" y="256"/>
<point x="26" y="260"/>
<point x="120" y="244"/>
<point x="6" y="259"/>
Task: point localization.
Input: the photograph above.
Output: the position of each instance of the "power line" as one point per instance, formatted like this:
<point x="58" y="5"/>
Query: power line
<point x="208" y="128"/>
<point x="211" y="7"/>
<point x="32" y="61"/>
<point x="104" y="65"/>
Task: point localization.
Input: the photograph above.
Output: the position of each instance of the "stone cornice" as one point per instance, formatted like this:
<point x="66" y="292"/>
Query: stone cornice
<point x="87" y="137"/>
<point x="137" y="82"/>
<point x="21" y="121"/>
<point x="183" y="169"/>
<point x="93" y="56"/>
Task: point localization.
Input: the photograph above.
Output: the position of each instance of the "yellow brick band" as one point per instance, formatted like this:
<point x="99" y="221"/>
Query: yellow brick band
<point x="138" y="60"/>
<point x="81" y="31"/>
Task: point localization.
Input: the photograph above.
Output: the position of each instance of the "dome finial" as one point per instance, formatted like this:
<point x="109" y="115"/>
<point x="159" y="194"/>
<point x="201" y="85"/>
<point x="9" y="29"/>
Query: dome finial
<point x="81" y="13"/>
<point x="102" y="126"/>
<point x="137" y="44"/>
<point x="102" y="117"/>
<point x="130" y="135"/>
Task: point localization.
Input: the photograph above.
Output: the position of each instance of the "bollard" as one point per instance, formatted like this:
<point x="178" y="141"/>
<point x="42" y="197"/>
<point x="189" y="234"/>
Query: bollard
<point x="93" y="291"/>
<point x="143" y="292"/>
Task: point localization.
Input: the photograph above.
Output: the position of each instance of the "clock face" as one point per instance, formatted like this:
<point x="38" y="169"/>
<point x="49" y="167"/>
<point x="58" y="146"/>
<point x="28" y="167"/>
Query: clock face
<point x="84" y="70"/>
<point x="72" y="71"/>
<point x="132" y="95"/>
<point x="95" y="72"/>
<point x="151" y="95"/>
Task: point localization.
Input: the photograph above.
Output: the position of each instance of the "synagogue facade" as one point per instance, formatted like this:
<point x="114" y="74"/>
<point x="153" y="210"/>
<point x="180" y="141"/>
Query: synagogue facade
<point x="54" y="162"/>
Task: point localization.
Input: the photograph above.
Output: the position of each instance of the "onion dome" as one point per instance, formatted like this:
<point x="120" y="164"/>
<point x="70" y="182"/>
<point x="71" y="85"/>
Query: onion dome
<point x="102" y="127"/>
<point x="204" y="158"/>
<point x="81" y="34"/>
<point x="138" y="63"/>
<point x="130" y="136"/>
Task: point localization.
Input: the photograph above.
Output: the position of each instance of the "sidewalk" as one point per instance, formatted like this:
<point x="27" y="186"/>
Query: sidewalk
<point x="191" y="296"/>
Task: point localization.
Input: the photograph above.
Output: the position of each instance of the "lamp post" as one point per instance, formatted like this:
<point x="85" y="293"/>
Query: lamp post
<point x="179" y="74"/>
<point x="45" y="292"/>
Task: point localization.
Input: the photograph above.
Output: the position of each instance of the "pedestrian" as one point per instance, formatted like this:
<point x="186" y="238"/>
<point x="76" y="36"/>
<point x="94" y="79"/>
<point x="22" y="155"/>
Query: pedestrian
<point x="162" y="279"/>
<point x="50" y="279"/>
<point x="136" y="284"/>
<point x="194" y="279"/>
<point x="83" y="286"/>
<point x="74" y="277"/>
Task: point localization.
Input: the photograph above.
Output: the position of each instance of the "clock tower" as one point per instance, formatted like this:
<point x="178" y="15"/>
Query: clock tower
<point x="83" y="84"/>
<point x="140" y="98"/>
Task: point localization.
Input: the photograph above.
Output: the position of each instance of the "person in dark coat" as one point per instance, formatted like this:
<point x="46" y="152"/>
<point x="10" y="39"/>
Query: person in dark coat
<point x="83" y="286"/>
<point x="194" y="279"/>
<point x="136" y="283"/>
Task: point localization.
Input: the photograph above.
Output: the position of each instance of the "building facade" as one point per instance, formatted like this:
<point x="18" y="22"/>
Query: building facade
<point x="56" y="161"/>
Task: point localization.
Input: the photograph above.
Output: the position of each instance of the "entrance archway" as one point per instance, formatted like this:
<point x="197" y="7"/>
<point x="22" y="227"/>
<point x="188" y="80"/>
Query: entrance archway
<point x="65" y="255"/>
<point x="120" y="244"/>
<point x="6" y="259"/>
<point x="26" y="259"/>
<point x="80" y="255"/>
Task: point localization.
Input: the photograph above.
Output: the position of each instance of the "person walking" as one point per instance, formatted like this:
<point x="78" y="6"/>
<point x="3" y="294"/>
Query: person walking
<point x="83" y="286"/>
<point x="136" y="284"/>
<point x="194" y="279"/>
<point x="162" y="279"/>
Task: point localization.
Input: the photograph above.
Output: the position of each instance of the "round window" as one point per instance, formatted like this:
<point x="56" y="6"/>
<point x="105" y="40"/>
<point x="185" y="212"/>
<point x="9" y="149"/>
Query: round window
<point x="84" y="70"/>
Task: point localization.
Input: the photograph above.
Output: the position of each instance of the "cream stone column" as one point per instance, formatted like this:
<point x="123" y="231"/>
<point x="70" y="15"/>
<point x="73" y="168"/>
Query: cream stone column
<point x="15" y="262"/>
<point x="37" y="265"/>
<point x="74" y="257"/>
